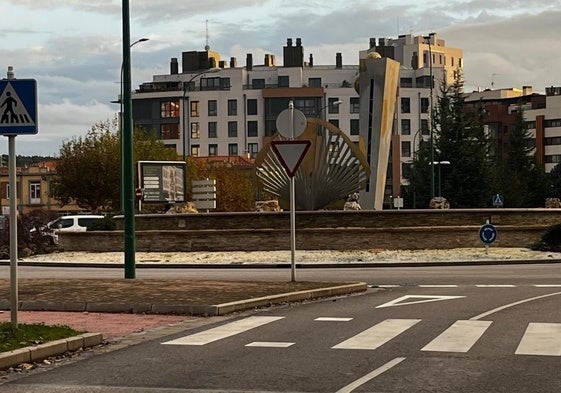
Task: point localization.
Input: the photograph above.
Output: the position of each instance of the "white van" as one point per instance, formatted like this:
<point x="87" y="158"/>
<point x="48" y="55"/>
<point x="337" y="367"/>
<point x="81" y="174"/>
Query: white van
<point x="78" y="223"/>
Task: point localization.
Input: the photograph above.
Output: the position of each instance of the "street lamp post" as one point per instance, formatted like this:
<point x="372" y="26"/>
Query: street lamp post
<point x="431" y="123"/>
<point x="415" y="149"/>
<point x="440" y="163"/>
<point x="120" y="101"/>
<point x="184" y="113"/>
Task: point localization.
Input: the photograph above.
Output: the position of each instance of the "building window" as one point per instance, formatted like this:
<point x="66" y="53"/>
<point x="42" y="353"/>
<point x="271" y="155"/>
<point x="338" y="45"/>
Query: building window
<point x="194" y="108"/>
<point x="425" y="103"/>
<point x="405" y="105"/>
<point x="406" y="82"/>
<point x="34" y="193"/>
<point x="258" y="84"/>
<point x="210" y="83"/>
<point x="252" y="149"/>
<point x="252" y="106"/>
<point x="405" y="126"/>
<point x="195" y="150"/>
<point x="270" y="127"/>
<point x="553" y="159"/>
<point x="232" y="129"/>
<point x="425" y="127"/>
<point x="213" y="150"/>
<point x="170" y="131"/>
<point x="335" y="122"/>
<point x="232" y="107"/>
<point x="314" y="82"/>
<point x="406" y="149"/>
<point x="252" y="129"/>
<point x="284" y="81"/>
<point x="195" y="131"/>
<point x="552" y="123"/>
<point x="406" y="170"/>
<point x="212" y="129"/>
<point x="355" y="105"/>
<point x="331" y="106"/>
<point x="224" y="83"/>
<point x="355" y="127"/>
<point x="212" y="108"/>
<point x="232" y="149"/>
<point x="169" y="109"/>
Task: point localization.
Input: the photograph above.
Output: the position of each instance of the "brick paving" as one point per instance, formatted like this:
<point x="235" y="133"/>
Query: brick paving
<point x="121" y="291"/>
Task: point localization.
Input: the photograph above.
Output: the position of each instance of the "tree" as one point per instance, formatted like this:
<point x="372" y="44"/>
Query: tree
<point x="518" y="164"/>
<point x="88" y="167"/>
<point x="460" y="138"/>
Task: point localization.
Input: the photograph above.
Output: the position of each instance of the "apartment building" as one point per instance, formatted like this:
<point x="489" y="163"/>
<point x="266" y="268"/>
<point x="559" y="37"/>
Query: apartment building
<point x="218" y="108"/>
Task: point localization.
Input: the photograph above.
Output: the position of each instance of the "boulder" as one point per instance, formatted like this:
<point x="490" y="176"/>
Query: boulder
<point x="352" y="202"/>
<point x="267" y="206"/>
<point x="188" y="207"/>
<point x="552" y="203"/>
<point x="439" y="203"/>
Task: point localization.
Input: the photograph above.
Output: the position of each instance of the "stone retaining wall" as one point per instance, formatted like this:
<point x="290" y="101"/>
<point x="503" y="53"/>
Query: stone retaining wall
<point x="419" y="229"/>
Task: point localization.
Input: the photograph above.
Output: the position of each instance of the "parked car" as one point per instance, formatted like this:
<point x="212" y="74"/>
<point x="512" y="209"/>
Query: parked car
<point x="78" y="223"/>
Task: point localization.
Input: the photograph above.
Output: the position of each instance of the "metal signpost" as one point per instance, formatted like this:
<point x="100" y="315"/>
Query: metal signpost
<point x="291" y="123"/>
<point x="487" y="234"/>
<point x="18" y="116"/>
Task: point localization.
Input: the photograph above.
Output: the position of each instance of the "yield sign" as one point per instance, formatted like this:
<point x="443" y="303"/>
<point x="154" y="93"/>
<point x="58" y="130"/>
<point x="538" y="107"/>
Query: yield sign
<point x="290" y="154"/>
<point x="423" y="299"/>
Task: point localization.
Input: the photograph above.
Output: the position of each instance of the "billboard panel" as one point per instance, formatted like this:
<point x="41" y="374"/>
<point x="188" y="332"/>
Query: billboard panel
<point x="162" y="181"/>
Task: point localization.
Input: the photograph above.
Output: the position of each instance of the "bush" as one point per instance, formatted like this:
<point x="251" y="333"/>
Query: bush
<point x="550" y="241"/>
<point x="103" y="224"/>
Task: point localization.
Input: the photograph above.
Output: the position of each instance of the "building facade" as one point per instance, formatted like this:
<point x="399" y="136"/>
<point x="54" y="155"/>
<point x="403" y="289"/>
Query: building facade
<point x="217" y="108"/>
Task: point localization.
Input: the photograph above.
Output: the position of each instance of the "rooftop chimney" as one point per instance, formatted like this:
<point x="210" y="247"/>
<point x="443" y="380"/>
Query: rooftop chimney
<point x="526" y="90"/>
<point x="311" y="62"/>
<point x="249" y="62"/>
<point x="233" y="62"/>
<point x="338" y="60"/>
<point x="174" y="66"/>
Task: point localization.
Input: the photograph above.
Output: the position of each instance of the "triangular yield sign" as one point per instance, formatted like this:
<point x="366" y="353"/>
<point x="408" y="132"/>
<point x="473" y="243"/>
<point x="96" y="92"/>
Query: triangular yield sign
<point x="290" y="154"/>
<point x="424" y="299"/>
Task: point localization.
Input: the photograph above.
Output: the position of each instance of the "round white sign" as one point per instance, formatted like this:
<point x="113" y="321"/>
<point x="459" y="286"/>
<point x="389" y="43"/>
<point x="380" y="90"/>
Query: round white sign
<point x="298" y="123"/>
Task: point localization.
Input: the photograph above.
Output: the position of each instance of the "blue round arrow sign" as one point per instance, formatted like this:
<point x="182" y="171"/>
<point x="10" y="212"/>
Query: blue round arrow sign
<point x="488" y="233"/>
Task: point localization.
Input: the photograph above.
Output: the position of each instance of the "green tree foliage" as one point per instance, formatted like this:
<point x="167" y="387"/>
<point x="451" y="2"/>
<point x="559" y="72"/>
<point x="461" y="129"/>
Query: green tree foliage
<point x="458" y="137"/>
<point x="88" y="167"/>
<point x="554" y="182"/>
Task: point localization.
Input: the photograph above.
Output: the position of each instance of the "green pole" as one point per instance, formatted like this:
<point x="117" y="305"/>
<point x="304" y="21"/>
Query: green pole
<point x="128" y="173"/>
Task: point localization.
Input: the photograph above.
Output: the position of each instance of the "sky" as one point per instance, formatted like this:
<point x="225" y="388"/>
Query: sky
<point x="73" y="48"/>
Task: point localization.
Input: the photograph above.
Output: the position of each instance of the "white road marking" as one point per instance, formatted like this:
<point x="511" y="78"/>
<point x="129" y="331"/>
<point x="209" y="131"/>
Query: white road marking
<point x="547" y="285"/>
<point x="459" y="337"/>
<point x="541" y="339"/>
<point x="487" y="313"/>
<point x="378" y="334"/>
<point x="495" y="286"/>
<point x="371" y="375"/>
<point x="425" y="299"/>
<point x="269" y="344"/>
<point x="223" y="331"/>
<point x="438" y="286"/>
<point x="332" y="319"/>
<point x="387" y="286"/>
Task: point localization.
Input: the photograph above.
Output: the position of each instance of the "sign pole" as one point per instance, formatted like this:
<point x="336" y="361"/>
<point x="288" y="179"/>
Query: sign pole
<point x="292" y="204"/>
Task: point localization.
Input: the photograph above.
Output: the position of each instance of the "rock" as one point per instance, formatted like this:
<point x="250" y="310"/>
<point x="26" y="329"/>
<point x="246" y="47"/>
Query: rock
<point x="439" y="203"/>
<point x="267" y="206"/>
<point x="552" y="203"/>
<point x="188" y="207"/>
<point x="352" y="202"/>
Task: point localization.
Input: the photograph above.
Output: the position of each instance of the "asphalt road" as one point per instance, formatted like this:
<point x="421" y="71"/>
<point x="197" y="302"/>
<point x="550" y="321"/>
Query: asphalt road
<point x="438" y="329"/>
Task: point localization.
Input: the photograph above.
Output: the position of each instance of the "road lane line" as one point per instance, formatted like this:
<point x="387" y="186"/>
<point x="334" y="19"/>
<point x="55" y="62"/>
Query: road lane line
<point x="541" y="339"/>
<point x="496" y="286"/>
<point x="223" y="331"/>
<point x="332" y="319"/>
<point x="487" y="313"/>
<point x="547" y="285"/>
<point x="377" y="335"/>
<point x="459" y="337"/>
<point x="371" y="375"/>
<point x="438" y="286"/>
<point x="269" y="344"/>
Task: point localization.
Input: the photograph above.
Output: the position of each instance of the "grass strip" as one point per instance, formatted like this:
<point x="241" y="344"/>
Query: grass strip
<point x="31" y="334"/>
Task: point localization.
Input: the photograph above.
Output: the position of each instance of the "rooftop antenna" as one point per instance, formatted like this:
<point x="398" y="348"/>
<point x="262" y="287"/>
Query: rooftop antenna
<point x="493" y="80"/>
<point x="207" y="46"/>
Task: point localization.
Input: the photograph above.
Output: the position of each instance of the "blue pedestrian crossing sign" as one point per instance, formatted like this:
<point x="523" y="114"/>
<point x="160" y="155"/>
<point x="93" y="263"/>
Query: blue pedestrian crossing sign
<point x="18" y="106"/>
<point x="498" y="200"/>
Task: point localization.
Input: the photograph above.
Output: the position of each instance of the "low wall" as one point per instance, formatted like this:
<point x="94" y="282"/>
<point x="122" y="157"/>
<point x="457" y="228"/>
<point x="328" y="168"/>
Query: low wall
<point x="418" y="229"/>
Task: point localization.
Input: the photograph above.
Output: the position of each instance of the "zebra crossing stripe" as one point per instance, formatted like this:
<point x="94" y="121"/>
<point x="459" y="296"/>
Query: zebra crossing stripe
<point x="223" y="331"/>
<point x="459" y="337"/>
<point x="541" y="339"/>
<point x="378" y="335"/>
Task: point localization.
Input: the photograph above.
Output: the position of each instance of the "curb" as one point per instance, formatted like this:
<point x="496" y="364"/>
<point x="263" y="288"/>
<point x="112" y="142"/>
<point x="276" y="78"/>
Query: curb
<point x="189" y="309"/>
<point x="52" y="348"/>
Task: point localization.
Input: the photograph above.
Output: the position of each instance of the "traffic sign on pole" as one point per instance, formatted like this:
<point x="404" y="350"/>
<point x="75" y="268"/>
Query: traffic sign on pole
<point x="18" y="107"/>
<point x="290" y="154"/>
